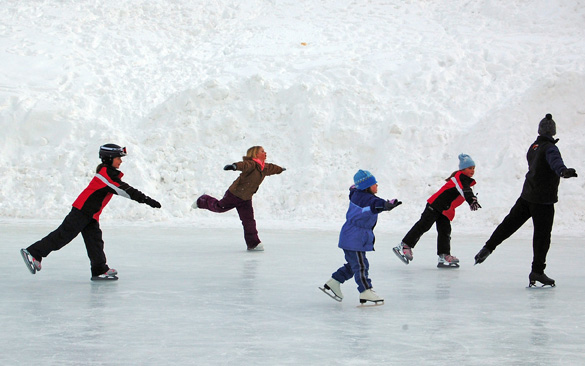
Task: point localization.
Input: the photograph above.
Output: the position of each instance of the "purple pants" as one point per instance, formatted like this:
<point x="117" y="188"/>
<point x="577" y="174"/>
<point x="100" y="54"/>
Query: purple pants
<point x="244" y="208"/>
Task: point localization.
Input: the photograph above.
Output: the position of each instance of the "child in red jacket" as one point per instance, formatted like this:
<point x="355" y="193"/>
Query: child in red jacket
<point x="85" y="213"/>
<point x="440" y="209"/>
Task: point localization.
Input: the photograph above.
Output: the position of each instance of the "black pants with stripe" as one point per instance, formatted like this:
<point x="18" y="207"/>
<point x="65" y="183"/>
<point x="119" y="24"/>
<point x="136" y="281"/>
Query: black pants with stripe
<point x="74" y="223"/>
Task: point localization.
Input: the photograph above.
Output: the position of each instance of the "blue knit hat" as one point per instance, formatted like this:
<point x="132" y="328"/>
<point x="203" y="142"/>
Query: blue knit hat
<point x="465" y="161"/>
<point x="364" y="179"/>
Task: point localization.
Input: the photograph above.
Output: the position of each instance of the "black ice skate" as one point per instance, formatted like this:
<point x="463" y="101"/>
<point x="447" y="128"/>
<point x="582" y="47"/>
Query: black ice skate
<point x="540" y="277"/>
<point x="110" y="275"/>
<point x="32" y="264"/>
<point x="482" y="255"/>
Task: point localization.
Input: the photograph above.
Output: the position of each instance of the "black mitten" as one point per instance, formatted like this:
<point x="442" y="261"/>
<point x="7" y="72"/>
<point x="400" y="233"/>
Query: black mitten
<point x="569" y="173"/>
<point x="230" y="167"/>
<point x="475" y="205"/>
<point x="152" y="203"/>
<point x="391" y="204"/>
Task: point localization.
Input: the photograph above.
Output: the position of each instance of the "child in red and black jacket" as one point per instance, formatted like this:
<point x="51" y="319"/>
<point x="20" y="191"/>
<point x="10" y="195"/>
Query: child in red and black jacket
<point x="440" y="209"/>
<point x="85" y="213"/>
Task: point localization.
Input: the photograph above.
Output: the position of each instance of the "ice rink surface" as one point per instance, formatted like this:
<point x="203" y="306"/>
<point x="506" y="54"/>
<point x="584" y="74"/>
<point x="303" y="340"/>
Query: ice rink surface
<point x="192" y="296"/>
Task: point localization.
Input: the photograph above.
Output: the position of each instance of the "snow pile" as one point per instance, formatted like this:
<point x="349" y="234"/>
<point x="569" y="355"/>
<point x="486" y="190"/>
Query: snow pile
<point x="397" y="88"/>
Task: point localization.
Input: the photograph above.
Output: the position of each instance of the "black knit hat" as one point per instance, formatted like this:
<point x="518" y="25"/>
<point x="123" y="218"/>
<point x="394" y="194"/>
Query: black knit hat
<point x="547" y="127"/>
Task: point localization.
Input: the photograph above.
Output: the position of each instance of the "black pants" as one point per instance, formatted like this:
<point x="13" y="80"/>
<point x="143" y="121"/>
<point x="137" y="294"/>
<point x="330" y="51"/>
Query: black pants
<point x="74" y="223"/>
<point x="542" y="219"/>
<point x="429" y="217"/>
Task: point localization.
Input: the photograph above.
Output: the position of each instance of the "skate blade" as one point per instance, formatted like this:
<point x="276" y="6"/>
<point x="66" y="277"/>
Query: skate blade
<point x="104" y="278"/>
<point x="534" y="285"/>
<point x="27" y="261"/>
<point x="333" y="296"/>
<point x="370" y="304"/>
<point x="400" y="256"/>
<point x="452" y="265"/>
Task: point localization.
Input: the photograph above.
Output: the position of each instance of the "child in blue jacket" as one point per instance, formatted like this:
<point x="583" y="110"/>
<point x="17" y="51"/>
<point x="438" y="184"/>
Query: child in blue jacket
<point x="357" y="237"/>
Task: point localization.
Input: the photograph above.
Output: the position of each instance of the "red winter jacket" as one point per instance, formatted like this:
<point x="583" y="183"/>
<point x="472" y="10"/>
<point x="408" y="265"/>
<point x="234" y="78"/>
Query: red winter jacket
<point x="453" y="194"/>
<point x="98" y="193"/>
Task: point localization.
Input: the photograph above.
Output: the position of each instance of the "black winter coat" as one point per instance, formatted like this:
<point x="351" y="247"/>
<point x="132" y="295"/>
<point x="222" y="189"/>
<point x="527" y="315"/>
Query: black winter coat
<point x="545" y="166"/>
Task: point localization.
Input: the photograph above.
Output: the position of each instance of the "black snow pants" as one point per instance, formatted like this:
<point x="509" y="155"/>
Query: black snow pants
<point x="429" y="217"/>
<point x="74" y="223"/>
<point x="542" y="218"/>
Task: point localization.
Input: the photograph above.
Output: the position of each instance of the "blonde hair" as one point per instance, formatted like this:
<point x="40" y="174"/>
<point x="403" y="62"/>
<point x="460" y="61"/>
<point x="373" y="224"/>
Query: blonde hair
<point x="253" y="151"/>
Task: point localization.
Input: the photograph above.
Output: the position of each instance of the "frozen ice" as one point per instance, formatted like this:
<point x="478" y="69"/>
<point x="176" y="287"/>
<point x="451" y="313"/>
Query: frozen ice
<point x="193" y="296"/>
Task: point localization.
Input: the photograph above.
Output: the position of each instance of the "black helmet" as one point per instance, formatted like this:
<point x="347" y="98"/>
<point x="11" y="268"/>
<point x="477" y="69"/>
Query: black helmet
<point x="110" y="151"/>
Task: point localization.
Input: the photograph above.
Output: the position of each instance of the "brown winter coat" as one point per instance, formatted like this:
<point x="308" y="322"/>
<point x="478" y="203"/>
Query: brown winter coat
<point x="251" y="177"/>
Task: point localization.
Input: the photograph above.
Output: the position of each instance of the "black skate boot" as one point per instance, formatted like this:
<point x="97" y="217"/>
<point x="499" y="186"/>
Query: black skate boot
<point x="542" y="278"/>
<point x="482" y="255"/>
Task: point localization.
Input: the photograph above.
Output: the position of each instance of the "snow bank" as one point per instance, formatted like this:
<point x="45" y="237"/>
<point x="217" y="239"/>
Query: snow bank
<point x="327" y="88"/>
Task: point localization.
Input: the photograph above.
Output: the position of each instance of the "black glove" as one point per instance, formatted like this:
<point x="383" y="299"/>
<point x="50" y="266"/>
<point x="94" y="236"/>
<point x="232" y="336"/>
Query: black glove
<point x="283" y="169"/>
<point x="569" y="173"/>
<point x="152" y="203"/>
<point x="474" y="205"/>
<point x="391" y="204"/>
<point x="230" y="167"/>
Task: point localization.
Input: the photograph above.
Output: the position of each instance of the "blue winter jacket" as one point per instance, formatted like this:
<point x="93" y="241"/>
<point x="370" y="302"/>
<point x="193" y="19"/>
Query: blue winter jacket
<point x="357" y="233"/>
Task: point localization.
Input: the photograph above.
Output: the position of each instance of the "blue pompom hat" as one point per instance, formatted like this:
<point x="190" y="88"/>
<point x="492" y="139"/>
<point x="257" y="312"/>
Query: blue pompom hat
<point x="465" y="161"/>
<point x="364" y="179"/>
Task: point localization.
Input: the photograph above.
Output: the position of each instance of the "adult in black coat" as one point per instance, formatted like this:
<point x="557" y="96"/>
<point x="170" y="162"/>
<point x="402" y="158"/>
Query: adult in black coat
<point x="539" y="194"/>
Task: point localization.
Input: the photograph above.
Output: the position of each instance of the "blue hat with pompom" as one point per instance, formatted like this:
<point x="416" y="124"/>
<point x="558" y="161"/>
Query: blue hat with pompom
<point x="465" y="161"/>
<point x="363" y="179"/>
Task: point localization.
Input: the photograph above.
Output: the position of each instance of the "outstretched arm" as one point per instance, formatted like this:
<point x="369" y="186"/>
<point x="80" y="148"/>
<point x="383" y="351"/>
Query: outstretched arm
<point x="385" y="205"/>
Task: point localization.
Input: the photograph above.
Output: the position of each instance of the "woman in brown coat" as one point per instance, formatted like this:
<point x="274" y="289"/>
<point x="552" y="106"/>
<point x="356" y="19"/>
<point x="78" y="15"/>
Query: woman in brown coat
<point x="253" y="169"/>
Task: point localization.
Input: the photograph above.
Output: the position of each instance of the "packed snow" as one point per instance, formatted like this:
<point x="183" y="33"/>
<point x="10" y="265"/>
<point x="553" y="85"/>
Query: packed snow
<point x="399" y="88"/>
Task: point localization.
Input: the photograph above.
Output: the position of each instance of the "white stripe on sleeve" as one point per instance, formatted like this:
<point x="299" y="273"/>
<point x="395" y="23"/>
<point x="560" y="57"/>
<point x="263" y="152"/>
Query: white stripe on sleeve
<point x="119" y="192"/>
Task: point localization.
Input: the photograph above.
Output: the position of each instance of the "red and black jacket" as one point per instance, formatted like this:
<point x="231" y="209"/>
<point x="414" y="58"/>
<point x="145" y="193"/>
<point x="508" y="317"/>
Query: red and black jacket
<point x="453" y="194"/>
<point x="98" y="193"/>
